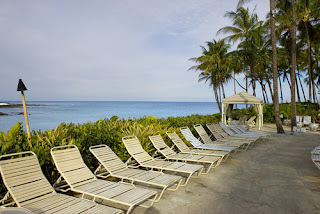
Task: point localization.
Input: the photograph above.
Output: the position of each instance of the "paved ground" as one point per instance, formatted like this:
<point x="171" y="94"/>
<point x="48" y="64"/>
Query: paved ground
<point x="276" y="176"/>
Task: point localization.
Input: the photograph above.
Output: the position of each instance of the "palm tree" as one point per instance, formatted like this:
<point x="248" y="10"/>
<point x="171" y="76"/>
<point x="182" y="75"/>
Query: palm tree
<point x="287" y="12"/>
<point x="262" y="58"/>
<point x="214" y="64"/>
<point x="307" y="11"/>
<point x="244" y="25"/>
<point x="287" y="34"/>
<point x="293" y="66"/>
<point x="275" y="68"/>
<point x="300" y="59"/>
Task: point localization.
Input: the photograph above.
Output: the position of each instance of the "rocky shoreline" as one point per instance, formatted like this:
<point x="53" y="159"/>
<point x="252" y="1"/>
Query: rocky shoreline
<point x="10" y="105"/>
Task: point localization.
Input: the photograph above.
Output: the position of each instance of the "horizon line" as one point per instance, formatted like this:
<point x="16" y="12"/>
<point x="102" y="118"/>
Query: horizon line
<point x="7" y="101"/>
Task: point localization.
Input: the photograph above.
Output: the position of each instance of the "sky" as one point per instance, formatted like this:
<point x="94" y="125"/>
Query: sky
<point x="125" y="50"/>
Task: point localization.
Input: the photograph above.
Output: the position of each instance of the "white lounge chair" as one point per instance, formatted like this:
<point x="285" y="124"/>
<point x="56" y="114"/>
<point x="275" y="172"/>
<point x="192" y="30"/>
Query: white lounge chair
<point x="169" y="154"/>
<point x="81" y="180"/>
<point x="235" y="134"/>
<point x="144" y="160"/>
<point x="112" y="166"/>
<point x="299" y="119"/>
<point x="306" y="120"/>
<point x="251" y="121"/>
<point x="242" y="145"/>
<point x="315" y="156"/>
<point x="222" y="137"/>
<point x="197" y="144"/>
<point x="29" y="188"/>
<point x="183" y="148"/>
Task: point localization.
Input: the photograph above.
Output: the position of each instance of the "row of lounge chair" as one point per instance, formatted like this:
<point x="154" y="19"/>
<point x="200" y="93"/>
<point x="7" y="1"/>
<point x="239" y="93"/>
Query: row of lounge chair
<point x="315" y="156"/>
<point x="28" y="187"/>
<point x="303" y="120"/>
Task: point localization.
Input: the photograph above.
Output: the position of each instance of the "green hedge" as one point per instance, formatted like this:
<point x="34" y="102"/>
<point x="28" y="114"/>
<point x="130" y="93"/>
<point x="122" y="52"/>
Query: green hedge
<point x="104" y="131"/>
<point x="303" y="109"/>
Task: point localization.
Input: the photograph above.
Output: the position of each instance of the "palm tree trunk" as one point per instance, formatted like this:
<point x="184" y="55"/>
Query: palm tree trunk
<point x="234" y="86"/>
<point x="222" y="88"/>
<point x="270" y="88"/>
<point x="288" y="80"/>
<point x="315" y="94"/>
<point x="239" y="85"/>
<point x="264" y="98"/>
<point x="309" y="58"/>
<point x="246" y="88"/>
<point x="293" y="66"/>
<point x="246" y="83"/>
<point x="265" y="93"/>
<point x="234" y="83"/>
<point x="298" y="93"/>
<point x="281" y="95"/>
<point x="253" y="79"/>
<point x="275" y="68"/>
<point x="217" y="99"/>
<point x="301" y="86"/>
<point x="219" y="95"/>
<point x="314" y="91"/>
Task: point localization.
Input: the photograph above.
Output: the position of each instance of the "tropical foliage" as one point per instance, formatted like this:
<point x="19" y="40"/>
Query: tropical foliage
<point x="104" y="131"/>
<point x="252" y="54"/>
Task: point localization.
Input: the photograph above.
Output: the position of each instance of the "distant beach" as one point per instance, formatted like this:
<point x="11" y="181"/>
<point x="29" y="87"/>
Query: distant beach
<point x="48" y="114"/>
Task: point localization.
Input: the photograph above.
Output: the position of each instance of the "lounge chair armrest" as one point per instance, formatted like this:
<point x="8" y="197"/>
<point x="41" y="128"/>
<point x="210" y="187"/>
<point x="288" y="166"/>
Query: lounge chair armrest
<point x="7" y="200"/>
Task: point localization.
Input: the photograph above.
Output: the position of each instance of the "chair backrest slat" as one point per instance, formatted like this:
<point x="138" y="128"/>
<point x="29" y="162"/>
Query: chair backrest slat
<point x="70" y="164"/>
<point x="203" y="134"/>
<point x="235" y="129"/>
<point x="23" y="178"/>
<point x="178" y="142"/>
<point x="220" y="131"/>
<point x="216" y="134"/>
<point x="226" y="129"/>
<point x="161" y="146"/>
<point x="107" y="158"/>
<point x="135" y="149"/>
<point x="190" y="137"/>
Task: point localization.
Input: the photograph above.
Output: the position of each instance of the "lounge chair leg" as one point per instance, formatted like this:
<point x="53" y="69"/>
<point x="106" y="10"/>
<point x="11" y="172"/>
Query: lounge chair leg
<point x="204" y="172"/>
<point x="191" y="174"/>
<point x="252" y="144"/>
<point x="151" y="202"/>
<point x="218" y="162"/>
<point x="130" y="209"/>
<point x="246" y="147"/>
<point x="160" y="195"/>
<point x="224" y="159"/>
<point x="5" y="198"/>
<point x="199" y="173"/>
<point x="176" y="186"/>
<point x="186" y="180"/>
<point x="234" y="152"/>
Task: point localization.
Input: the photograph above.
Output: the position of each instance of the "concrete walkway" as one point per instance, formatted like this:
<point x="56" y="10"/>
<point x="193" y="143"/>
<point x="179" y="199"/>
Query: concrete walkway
<point x="276" y="176"/>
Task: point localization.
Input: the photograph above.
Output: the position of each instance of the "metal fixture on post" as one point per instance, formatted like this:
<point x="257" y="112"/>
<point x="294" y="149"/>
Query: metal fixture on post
<point x="22" y="87"/>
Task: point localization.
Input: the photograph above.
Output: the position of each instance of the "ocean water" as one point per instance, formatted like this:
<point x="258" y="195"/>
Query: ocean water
<point x="50" y="114"/>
